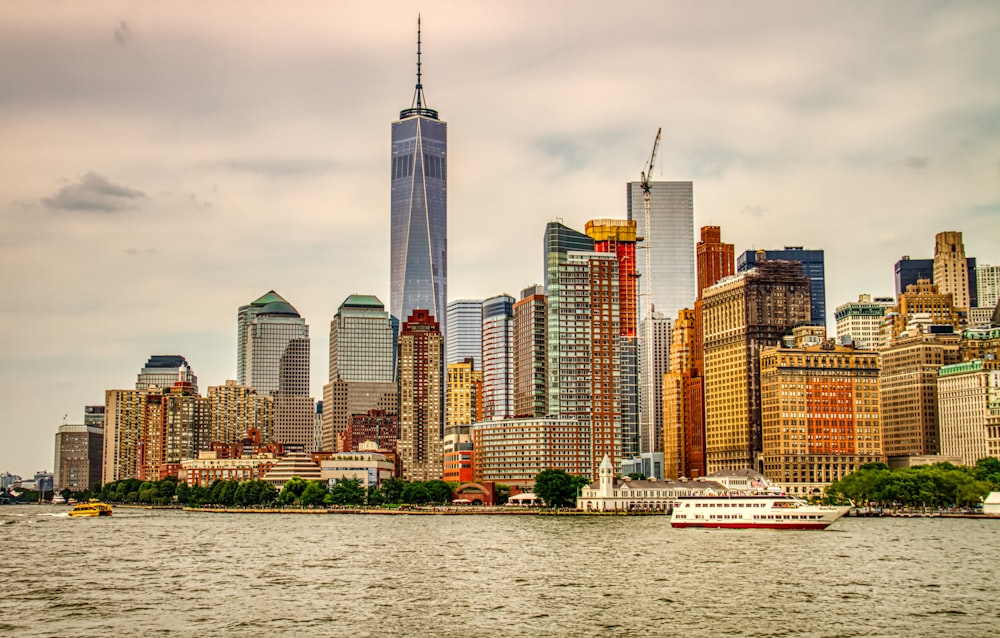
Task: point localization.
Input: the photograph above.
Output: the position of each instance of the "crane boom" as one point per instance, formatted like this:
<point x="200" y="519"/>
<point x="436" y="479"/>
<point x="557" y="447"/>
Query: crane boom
<point x="647" y="393"/>
<point x="649" y="166"/>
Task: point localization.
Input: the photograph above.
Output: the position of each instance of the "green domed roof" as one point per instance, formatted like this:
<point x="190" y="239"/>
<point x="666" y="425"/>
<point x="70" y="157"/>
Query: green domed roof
<point x="279" y="308"/>
<point x="269" y="297"/>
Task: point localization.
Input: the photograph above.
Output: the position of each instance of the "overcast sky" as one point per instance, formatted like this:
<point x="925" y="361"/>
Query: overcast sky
<point x="164" y="163"/>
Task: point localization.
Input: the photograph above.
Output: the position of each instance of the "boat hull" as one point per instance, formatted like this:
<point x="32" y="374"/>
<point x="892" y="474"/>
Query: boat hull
<point x="801" y="525"/>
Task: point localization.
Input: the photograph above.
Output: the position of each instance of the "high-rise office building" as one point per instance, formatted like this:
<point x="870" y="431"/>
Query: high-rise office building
<point x="162" y="370"/>
<point x="909" y="271"/>
<point x="683" y="433"/>
<point x="908" y="384"/>
<point x="273" y="346"/>
<point x="744" y="314"/>
<point x="618" y="237"/>
<point x="79" y="453"/>
<point x="498" y="357"/>
<point x="812" y="267"/>
<point x="671" y="221"/>
<point x="951" y="268"/>
<point x="419" y="218"/>
<point x="530" y="323"/>
<point x="584" y="348"/>
<point x="988" y="285"/>
<point x="820" y="413"/>
<point x="922" y="304"/>
<point x="362" y="360"/>
<point x="659" y="330"/>
<point x="465" y="332"/>
<point x="421" y="421"/>
<point x="861" y="321"/>
<point x="266" y="331"/>
<point x="684" y="386"/>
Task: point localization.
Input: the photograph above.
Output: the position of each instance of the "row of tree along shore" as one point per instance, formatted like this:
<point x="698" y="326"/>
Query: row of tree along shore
<point x="938" y="487"/>
<point x="941" y="487"/>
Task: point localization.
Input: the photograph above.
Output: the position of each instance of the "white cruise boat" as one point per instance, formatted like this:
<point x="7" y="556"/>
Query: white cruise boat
<point x="765" y="511"/>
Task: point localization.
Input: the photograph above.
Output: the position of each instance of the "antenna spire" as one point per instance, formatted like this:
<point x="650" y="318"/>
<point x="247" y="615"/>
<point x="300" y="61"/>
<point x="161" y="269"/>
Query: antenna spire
<point x="418" y="96"/>
<point x="417" y="106"/>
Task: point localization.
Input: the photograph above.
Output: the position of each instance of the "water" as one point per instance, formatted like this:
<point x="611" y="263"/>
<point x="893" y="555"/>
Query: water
<point x="171" y="573"/>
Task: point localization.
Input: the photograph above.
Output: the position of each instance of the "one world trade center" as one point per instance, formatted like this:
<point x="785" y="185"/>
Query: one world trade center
<point x="419" y="250"/>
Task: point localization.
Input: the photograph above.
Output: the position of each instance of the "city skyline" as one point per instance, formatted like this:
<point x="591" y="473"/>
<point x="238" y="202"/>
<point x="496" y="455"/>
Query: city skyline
<point x="165" y="164"/>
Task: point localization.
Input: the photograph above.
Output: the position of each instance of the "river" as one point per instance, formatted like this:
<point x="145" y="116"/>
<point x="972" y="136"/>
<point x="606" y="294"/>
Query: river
<point x="173" y="573"/>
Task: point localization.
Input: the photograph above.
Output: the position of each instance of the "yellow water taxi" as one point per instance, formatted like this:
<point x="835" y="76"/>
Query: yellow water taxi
<point x="93" y="508"/>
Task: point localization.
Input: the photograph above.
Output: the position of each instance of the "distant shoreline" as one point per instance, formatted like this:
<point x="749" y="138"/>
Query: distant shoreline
<point x="432" y="511"/>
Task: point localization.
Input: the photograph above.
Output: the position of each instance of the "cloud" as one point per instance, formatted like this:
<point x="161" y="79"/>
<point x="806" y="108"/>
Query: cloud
<point x="753" y="210"/>
<point x="916" y="162"/>
<point x="94" y="193"/>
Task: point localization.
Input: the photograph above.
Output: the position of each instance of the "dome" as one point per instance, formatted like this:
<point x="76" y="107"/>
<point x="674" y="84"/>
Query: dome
<point x="279" y="308"/>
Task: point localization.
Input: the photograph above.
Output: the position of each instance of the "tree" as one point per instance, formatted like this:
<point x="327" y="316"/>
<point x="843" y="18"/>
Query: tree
<point x="391" y="491"/>
<point x="556" y="488"/>
<point x="182" y="493"/>
<point x="347" y="492"/>
<point x="416" y="493"/>
<point x="313" y="494"/>
<point x="988" y="469"/>
<point x="439" y="492"/>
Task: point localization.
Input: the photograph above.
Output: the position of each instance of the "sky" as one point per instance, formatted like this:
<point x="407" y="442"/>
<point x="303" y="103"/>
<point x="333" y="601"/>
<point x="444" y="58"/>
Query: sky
<point x="164" y="163"/>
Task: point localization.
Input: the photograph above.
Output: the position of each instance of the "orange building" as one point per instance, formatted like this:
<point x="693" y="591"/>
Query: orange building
<point x="820" y="413"/>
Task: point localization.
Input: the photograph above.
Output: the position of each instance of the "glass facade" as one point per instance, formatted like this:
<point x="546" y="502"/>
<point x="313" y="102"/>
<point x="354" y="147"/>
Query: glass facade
<point x="362" y="341"/>
<point x="498" y="357"/>
<point x="419" y="222"/>
<point x="465" y="332"/>
<point x="670" y="240"/>
<point x="812" y="267"/>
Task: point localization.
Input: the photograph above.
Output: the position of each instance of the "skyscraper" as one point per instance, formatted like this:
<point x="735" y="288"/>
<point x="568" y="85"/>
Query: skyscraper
<point x="618" y="237"/>
<point x="162" y="370"/>
<point x="273" y="359"/>
<point x="530" y="320"/>
<point x="744" y="314"/>
<point x="362" y="360"/>
<point x="465" y="332"/>
<point x="421" y="417"/>
<point x="671" y="221"/>
<point x="498" y="357"/>
<point x="419" y="221"/>
<point x="812" y="267"/>
<point x="951" y="269"/>
<point x="584" y="345"/>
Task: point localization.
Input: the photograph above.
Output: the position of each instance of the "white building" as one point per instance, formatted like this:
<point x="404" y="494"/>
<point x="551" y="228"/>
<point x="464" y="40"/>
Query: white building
<point x="861" y="320"/>
<point x="371" y="468"/>
<point x="987" y="285"/>
<point x="969" y="410"/>
<point x="609" y="494"/>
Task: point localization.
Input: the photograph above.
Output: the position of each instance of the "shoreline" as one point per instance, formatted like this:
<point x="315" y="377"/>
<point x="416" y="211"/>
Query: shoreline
<point x="441" y="511"/>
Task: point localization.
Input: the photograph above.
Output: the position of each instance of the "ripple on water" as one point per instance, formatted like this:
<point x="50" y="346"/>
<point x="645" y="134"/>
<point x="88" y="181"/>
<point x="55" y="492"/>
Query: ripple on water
<point x="179" y="574"/>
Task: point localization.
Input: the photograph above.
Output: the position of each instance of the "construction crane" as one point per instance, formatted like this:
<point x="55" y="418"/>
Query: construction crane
<point x="647" y="332"/>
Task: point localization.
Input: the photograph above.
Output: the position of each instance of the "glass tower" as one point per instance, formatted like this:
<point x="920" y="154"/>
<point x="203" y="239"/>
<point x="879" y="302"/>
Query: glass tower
<point x="465" y="334"/>
<point x="669" y="240"/>
<point x="812" y="267"/>
<point x="419" y="223"/>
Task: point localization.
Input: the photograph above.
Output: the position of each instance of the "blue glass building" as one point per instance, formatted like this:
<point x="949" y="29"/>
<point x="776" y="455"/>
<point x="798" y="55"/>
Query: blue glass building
<point x="812" y="267"/>
<point x="419" y="224"/>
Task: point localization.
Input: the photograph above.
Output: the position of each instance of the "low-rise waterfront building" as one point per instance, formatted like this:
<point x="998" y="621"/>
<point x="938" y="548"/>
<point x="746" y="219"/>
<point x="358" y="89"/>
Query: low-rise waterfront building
<point x="371" y="468"/>
<point x="611" y="494"/>
<point x="514" y="451"/>
<point x="210" y="467"/>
